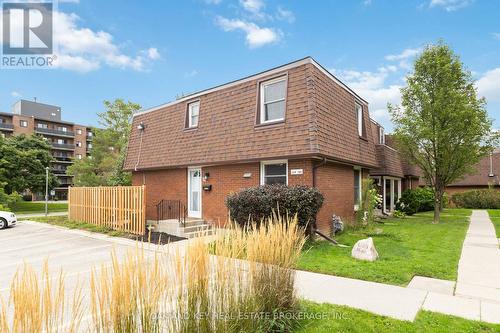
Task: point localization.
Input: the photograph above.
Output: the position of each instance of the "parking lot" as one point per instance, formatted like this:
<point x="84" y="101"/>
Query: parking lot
<point x="75" y="252"/>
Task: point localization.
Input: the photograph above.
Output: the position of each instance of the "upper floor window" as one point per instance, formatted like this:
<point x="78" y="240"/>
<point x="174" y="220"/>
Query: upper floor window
<point x="359" y="119"/>
<point x="274" y="172"/>
<point x="78" y="143"/>
<point x="42" y="125"/>
<point x="272" y="100"/>
<point x="89" y="134"/>
<point x="62" y="128"/>
<point x="78" y="131"/>
<point x="193" y="114"/>
<point x="78" y="156"/>
<point x="381" y="135"/>
<point x="23" y="123"/>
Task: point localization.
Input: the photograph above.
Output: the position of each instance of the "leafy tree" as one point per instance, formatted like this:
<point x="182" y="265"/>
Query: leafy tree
<point x="105" y="166"/>
<point x="23" y="160"/>
<point x="441" y="125"/>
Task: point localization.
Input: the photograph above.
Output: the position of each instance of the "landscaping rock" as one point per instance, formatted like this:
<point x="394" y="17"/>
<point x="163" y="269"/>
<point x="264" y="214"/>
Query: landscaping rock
<point x="364" y="249"/>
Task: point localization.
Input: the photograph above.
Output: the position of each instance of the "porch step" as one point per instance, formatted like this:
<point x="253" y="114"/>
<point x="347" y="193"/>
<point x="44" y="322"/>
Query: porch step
<point x="192" y="228"/>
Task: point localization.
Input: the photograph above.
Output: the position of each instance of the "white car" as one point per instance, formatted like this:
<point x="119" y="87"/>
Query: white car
<point x="7" y="219"/>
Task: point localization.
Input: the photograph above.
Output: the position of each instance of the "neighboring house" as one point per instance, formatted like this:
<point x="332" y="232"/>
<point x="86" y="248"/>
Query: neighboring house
<point x="69" y="141"/>
<point x="393" y="175"/>
<point x="486" y="174"/>
<point x="294" y="124"/>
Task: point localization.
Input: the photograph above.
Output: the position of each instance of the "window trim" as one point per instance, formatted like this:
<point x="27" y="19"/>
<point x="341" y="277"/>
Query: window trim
<point x="21" y="122"/>
<point x="188" y="124"/>
<point x="270" y="162"/>
<point x="357" y="168"/>
<point x="261" y="111"/>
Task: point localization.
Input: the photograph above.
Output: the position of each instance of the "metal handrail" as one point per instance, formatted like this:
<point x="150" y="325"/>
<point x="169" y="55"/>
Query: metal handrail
<point x="54" y="131"/>
<point x="7" y="126"/>
<point x="171" y="210"/>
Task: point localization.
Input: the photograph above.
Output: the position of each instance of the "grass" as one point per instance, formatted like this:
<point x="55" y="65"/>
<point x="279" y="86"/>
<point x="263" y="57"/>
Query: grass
<point x="406" y="247"/>
<point x="63" y="221"/>
<point x="345" y="319"/>
<point x="28" y="207"/>
<point x="495" y="218"/>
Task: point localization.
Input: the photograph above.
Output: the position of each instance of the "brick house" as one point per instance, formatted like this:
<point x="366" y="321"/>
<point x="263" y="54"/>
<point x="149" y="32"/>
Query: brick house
<point x="486" y="174"/>
<point x="293" y="124"/>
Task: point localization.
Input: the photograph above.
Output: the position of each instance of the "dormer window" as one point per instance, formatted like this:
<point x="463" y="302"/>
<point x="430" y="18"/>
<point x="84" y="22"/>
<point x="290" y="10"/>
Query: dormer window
<point x="272" y="100"/>
<point x="381" y="136"/>
<point x="193" y="114"/>
<point x="359" y="119"/>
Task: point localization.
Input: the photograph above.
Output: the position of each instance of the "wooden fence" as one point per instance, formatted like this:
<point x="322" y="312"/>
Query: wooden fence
<point x="121" y="208"/>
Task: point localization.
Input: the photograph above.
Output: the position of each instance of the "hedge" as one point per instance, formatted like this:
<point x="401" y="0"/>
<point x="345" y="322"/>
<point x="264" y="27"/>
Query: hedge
<point x="478" y="199"/>
<point x="257" y="203"/>
<point x="420" y="199"/>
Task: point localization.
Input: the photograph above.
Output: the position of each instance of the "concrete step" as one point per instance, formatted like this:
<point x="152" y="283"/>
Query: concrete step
<point x="200" y="233"/>
<point x="198" y="227"/>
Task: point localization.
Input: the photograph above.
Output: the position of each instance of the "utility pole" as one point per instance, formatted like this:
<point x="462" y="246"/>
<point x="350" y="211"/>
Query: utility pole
<point x="46" y="190"/>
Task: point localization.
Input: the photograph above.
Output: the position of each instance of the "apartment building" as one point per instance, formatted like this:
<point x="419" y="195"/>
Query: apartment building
<point x="69" y="141"/>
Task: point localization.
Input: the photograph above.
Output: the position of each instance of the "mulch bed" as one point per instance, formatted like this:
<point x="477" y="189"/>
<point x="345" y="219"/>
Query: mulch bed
<point x="154" y="237"/>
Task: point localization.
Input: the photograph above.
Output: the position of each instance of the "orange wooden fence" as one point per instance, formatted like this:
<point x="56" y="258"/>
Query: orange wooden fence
<point x="119" y="207"/>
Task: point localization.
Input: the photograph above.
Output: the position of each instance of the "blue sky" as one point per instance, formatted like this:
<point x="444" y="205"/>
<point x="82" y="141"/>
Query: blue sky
<point x="150" y="51"/>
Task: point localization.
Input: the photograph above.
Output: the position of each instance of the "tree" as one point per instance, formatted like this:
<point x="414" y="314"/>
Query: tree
<point x="105" y="166"/>
<point x="441" y="125"/>
<point x="23" y="160"/>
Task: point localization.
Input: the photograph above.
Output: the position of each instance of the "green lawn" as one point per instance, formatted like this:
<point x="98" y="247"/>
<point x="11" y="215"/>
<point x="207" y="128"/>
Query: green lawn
<point x="64" y="222"/>
<point x="406" y="247"/>
<point x="495" y="218"/>
<point x="333" y="318"/>
<point x="28" y="207"/>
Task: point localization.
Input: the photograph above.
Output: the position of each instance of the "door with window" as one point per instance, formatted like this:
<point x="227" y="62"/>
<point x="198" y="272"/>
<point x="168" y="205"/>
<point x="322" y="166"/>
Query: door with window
<point x="194" y="192"/>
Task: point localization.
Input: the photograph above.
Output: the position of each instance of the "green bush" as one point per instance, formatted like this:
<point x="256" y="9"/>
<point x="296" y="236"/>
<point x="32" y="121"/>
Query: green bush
<point x="8" y="200"/>
<point x="416" y="200"/>
<point x="478" y="199"/>
<point x="258" y="203"/>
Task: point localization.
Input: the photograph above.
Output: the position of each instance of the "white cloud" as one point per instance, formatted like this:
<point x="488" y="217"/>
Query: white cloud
<point x="16" y="94"/>
<point x="285" y="15"/>
<point x="404" y="57"/>
<point x="213" y="2"/>
<point x="450" y="5"/>
<point x="489" y="85"/>
<point x="82" y="49"/>
<point x="253" y="6"/>
<point x="255" y="35"/>
<point x="367" y="2"/>
<point x="496" y="35"/>
<point x="153" y="53"/>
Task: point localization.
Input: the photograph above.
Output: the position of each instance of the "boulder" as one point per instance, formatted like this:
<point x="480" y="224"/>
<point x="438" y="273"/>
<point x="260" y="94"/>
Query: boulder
<point x="364" y="249"/>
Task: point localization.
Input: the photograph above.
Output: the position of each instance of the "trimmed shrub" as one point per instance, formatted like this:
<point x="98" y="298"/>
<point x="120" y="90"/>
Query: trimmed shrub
<point x="258" y="203"/>
<point x="416" y="200"/>
<point x="478" y="199"/>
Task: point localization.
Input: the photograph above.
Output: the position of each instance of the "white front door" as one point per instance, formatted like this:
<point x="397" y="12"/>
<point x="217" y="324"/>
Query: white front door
<point x="194" y="192"/>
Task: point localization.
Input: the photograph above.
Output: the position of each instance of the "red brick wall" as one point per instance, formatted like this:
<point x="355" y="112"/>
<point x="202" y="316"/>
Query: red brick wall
<point x="168" y="184"/>
<point x="335" y="181"/>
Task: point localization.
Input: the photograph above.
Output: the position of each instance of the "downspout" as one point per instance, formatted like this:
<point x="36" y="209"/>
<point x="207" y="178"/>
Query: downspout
<point x="141" y="128"/>
<point x="323" y="163"/>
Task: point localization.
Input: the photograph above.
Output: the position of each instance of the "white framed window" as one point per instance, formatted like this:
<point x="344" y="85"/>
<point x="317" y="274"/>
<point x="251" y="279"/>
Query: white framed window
<point x="23" y="123"/>
<point x="274" y="172"/>
<point x="78" y="131"/>
<point x="42" y="125"/>
<point x="89" y="145"/>
<point x="381" y="135"/>
<point x="62" y="128"/>
<point x="61" y="141"/>
<point x="359" y="118"/>
<point x="78" y="156"/>
<point x="89" y="134"/>
<point x="357" y="187"/>
<point x="272" y="100"/>
<point x="193" y="114"/>
<point x="78" y="143"/>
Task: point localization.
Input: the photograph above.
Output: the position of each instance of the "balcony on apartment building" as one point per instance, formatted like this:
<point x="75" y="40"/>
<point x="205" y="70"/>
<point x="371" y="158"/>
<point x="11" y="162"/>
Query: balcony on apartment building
<point x="54" y="132"/>
<point x="63" y="146"/>
<point x="6" y="127"/>
<point x="63" y="159"/>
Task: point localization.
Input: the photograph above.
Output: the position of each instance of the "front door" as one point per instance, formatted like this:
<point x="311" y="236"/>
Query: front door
<point x="194" y="192"/>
